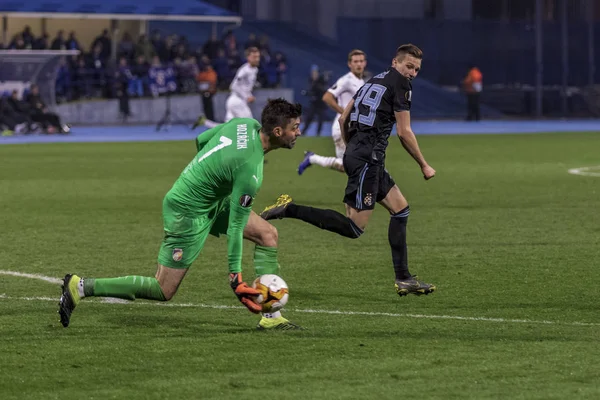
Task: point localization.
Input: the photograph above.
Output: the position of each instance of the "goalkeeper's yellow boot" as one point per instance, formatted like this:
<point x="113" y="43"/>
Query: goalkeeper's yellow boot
<point x="69" y="299"/>
<point x="277" y="210"/>
<point x="199" y="122"/>
<point x="279" y="323"/>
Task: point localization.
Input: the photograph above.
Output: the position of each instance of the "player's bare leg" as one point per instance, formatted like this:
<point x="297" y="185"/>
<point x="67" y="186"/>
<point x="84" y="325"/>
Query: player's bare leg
<point x="399" y="210"/>
<point x="359" y="217"/>
<point x="265" y="236"/>
<point x="169" y="279"/>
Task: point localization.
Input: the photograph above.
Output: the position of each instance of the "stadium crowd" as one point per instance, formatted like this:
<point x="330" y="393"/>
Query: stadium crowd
<point x="141" y="66"/>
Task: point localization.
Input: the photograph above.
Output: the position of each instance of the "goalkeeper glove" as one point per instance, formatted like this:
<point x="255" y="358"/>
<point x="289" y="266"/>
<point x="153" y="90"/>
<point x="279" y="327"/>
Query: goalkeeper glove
<point x="244" y="292"/>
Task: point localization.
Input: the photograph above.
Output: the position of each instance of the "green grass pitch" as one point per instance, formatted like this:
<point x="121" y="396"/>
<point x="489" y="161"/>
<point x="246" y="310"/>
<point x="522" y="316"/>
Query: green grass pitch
<point x="509" y="237"/>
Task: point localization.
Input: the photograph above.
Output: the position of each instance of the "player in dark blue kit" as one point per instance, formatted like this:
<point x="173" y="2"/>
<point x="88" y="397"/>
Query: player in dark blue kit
<point x="366" y="125"/>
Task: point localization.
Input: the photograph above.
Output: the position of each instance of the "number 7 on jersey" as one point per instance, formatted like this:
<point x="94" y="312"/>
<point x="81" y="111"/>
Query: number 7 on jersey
<point x="223" y="142"/>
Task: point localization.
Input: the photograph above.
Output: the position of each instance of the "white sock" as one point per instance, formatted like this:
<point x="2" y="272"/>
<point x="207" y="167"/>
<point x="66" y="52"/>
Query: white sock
<point x="80" y="288"/>
<point x="326" y="162"/>
<point x="211" y="124"/>
<point x="276" y="314"/>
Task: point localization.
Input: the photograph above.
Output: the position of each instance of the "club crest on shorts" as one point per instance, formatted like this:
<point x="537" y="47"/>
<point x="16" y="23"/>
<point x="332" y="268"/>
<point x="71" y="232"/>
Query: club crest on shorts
<point x="177" y="254"/>
<point x="368" y="200"/>
<point x="246" y="200"/>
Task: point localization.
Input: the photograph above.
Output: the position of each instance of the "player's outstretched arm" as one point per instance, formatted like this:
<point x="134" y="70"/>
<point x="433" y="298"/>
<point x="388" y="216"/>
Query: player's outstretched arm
<point x="410" y="144"/>
<point x="345" y="120"/>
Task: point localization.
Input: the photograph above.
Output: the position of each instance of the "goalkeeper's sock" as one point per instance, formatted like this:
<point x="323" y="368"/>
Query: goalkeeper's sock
<point x="265" y="260"/>
<point x="126" y="287"/>
<point x="329" y="220"/>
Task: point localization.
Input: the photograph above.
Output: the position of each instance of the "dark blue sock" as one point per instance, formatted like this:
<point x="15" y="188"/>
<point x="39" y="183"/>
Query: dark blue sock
<point x="397" y="238"/>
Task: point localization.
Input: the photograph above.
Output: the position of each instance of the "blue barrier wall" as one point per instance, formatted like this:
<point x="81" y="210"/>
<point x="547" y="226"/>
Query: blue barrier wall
<point x="150" y="110"/>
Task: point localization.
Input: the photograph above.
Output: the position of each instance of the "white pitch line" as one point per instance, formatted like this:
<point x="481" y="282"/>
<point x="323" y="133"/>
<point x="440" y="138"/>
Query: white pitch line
<point x="340" y="312"/>
<point x="586" y="171"/>
<point x="32" y="276"/>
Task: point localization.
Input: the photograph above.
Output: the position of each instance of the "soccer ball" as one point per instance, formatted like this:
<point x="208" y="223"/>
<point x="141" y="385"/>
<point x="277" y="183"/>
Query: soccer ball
<point x="274" y="292"/>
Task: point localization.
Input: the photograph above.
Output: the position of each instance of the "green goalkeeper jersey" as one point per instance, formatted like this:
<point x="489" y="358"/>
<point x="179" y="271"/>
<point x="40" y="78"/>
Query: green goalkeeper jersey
<point x="228" y="166"/>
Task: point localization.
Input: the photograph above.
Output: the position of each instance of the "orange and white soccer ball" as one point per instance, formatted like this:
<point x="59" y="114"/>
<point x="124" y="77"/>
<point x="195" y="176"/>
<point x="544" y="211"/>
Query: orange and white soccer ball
<point x="274" y="292"/>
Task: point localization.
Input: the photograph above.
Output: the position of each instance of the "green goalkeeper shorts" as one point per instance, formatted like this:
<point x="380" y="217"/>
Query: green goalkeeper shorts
<point x="185" y="236"/>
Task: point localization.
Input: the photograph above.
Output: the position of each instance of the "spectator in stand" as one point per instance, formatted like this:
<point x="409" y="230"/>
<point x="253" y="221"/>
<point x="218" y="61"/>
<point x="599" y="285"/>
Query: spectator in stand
<point x="252" y="41"/>
<point x="28" y="38"/>
<point x="212" y="46"/>
<point x="140" y="75"/>
<point x="72" y="43"/>
<point x="17" y="43"/>
<point x="83" y="78"/>
<point x="158" y="46"/>
<point x="106" y="45"/>
<point x="41" y="43"/>
<point x="221" y="67"/>
<point x="230" y="42"/>
<point x="154" y="71"/>
<point x="59" y="42"/>
<point x="169" y="54"/>
<point x="126" y="47"/>
<point x="145" y="48"/>
<point x="234" y="61"/>
<point x="189" y="72"/>
<point x="264" y="44"/>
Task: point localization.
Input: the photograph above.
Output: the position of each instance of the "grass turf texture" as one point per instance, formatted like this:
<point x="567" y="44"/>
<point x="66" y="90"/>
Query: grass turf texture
<point x="503" y="231"/>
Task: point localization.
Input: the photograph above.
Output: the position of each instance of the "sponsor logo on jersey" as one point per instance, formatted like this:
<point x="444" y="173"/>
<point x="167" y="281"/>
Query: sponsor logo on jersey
<point x="246" y="200"/>
<point x="177" y="254"/>
<point x="242" y="136"/>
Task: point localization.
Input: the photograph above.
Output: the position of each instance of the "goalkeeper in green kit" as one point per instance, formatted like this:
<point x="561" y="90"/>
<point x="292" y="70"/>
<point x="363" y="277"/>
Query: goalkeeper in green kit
<point x="213" y="195"/>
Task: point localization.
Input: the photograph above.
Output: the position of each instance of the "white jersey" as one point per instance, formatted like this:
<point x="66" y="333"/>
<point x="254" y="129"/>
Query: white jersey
<point x="244" y="81"/>
<point x="345" y="88"/>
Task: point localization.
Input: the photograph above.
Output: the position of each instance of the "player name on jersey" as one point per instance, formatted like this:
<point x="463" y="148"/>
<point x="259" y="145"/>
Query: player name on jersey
<point x="242" y="136"/>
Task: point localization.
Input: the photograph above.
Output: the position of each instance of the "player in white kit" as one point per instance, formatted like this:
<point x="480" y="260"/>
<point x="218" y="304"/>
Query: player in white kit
<point x="337" y="97"/>
<point x="237" y="104"/>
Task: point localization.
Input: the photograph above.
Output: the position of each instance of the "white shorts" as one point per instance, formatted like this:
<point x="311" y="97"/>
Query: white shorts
<point x="336" y="134"/>
<point x="236" y="108"/>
